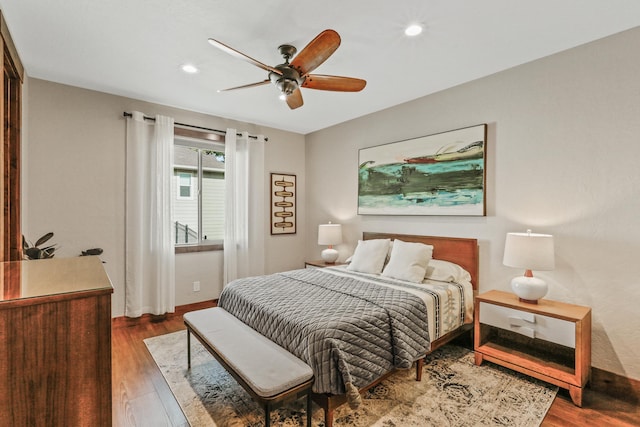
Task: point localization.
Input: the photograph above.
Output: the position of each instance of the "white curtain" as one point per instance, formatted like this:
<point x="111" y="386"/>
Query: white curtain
<point x="244" y="206"/>
<point x="149" y="251"/>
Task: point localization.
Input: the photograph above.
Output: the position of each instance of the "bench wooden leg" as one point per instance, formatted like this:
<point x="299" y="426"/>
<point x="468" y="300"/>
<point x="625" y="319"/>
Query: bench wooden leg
<point x="419" y="366"/>
<point x="309" y="408"/>
<point x="267" y="415"/>
<point x="188" y="349"/>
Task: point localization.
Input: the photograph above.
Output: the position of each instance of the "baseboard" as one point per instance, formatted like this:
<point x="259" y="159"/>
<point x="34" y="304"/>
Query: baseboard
<point x="615" y="385"/>
<point x="125" y="322"/>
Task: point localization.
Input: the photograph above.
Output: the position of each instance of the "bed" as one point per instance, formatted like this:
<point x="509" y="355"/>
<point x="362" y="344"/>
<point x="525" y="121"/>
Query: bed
<point x="355" y="327"/>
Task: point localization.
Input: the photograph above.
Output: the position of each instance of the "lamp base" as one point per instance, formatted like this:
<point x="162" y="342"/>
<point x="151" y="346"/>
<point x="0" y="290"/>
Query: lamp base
<point x="329" y="255"/>
<point x="529" y="289"/>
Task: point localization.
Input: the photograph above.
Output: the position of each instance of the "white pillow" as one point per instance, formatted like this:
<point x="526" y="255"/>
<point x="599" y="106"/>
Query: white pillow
<point x="369" y="256"/>
<point x="446" y="271"/>
<point x="408" y="261"/>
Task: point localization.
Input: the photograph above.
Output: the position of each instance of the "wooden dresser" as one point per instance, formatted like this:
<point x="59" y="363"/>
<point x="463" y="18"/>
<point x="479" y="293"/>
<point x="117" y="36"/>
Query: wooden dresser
<point x="55" y="343"/>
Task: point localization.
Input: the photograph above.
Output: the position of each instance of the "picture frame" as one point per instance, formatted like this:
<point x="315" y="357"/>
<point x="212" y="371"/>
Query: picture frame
<point x="439" y="174"/>
<point x="283" y="203"/>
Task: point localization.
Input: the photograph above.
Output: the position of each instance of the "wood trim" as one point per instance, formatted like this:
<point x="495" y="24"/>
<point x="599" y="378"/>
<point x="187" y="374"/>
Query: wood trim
<point x="126" y="322"/>
<point x="198" y="134"/>
<point x="12" y="160"/>
<point x="11" y="47"/>
<point x="186" y="249"/>
<point x="4" y="229"/>
<point x="10" y="156"/>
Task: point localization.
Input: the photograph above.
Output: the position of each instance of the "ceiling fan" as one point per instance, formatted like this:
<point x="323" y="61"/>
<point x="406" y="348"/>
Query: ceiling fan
<point x="290" y="77"/>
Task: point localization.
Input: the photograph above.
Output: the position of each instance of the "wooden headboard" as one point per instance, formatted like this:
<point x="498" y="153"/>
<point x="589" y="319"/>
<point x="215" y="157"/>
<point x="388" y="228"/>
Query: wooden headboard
<point x="461" y="251"/>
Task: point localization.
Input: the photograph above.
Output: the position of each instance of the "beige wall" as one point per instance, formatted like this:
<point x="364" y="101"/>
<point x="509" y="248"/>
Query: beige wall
<point x="74" y="183"/>
<point x="563" y="158"/>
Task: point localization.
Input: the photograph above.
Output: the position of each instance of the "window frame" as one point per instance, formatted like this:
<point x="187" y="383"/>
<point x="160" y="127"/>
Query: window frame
<point x="179" y="185"/>
<point x="202" y="140"/>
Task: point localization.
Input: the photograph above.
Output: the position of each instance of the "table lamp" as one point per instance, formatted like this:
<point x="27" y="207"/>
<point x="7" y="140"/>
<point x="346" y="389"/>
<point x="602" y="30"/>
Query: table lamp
<point x="329" y="234"/>
<point x="530" y="251"/>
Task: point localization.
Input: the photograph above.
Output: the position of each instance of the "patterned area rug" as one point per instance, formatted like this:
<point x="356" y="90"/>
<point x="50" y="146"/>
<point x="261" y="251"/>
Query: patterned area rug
<point x="453" y="392"/>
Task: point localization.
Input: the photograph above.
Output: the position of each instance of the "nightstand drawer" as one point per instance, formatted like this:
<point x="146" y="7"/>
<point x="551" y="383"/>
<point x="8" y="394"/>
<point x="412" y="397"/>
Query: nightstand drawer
<point x="532" y="325"/>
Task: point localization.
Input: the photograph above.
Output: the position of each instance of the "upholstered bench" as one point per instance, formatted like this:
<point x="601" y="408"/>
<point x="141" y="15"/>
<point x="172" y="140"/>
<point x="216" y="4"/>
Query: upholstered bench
<point x="268" y="372"/>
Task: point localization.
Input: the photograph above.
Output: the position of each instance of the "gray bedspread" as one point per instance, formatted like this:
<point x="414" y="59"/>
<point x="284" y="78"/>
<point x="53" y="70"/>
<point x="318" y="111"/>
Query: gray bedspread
<point x="349" y="331"/>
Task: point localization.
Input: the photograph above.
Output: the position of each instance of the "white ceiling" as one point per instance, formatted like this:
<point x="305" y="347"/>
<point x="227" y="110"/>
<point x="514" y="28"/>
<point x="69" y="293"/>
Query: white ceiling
<point x="135" y="48"/>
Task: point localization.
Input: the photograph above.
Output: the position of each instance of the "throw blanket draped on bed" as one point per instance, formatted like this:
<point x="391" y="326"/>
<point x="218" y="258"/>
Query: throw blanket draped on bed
<point x="350" y="332"/>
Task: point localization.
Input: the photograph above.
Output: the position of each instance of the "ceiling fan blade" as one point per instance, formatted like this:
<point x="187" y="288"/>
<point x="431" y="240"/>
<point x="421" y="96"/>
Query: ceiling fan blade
<point x="264" y="82"/>
<point x="231" y="51"/>
<point x="295" y="99"/>
<point x="335" y="83"/>
<point x="316" y="52"/>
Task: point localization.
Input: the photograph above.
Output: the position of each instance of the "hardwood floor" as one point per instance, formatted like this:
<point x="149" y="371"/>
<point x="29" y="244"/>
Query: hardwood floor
<point x="142" y="398"/>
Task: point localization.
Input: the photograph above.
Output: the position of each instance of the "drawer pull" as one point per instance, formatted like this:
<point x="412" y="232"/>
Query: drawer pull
<point x="528" y="332"/>
<point x="519" y="321"/>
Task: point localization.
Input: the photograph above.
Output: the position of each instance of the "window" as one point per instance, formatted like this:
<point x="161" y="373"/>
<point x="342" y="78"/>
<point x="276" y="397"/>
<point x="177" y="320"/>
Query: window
<point x="184" y="185"/>
<point x="198" y="171"/>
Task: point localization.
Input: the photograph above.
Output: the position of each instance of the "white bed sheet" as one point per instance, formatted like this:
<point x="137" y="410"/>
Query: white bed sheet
<point x="449" y="305"/>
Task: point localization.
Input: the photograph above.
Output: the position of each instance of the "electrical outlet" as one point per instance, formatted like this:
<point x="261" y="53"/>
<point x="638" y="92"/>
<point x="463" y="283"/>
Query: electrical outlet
<point x="196" y="286"/>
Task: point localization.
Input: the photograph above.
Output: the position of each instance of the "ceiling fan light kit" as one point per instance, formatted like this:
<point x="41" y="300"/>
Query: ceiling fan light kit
<point x="290" y="77"/>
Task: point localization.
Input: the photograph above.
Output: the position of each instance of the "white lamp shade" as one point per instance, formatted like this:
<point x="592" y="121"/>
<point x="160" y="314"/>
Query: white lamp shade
<point x="530" y="251"/>
<point x="329" y="234"/>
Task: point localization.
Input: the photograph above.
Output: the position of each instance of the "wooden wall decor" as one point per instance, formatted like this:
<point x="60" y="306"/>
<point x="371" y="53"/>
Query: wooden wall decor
<point x="283" y="203"/>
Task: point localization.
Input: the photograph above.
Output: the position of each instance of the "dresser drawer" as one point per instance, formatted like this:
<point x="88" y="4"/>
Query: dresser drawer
<point x="532" y="325"/>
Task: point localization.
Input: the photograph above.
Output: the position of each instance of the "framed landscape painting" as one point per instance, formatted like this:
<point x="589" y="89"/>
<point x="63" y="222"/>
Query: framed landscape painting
<point x="441" y="174"/>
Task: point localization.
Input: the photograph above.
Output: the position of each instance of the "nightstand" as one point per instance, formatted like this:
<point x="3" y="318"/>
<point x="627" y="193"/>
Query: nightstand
<point x="550" y="340"/>
<point x="320" y="264"/>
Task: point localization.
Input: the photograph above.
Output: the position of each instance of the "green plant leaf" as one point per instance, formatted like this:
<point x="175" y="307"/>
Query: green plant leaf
<point x="43" y="239"/>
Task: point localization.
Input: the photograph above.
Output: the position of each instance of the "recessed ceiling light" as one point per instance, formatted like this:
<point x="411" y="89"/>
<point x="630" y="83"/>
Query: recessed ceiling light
<point x="413" y="30"/>
<point x="189" y="68"/>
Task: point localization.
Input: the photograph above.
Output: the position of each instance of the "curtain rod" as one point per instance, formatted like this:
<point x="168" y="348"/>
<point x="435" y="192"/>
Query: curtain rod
<point x="221" y="132"/>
